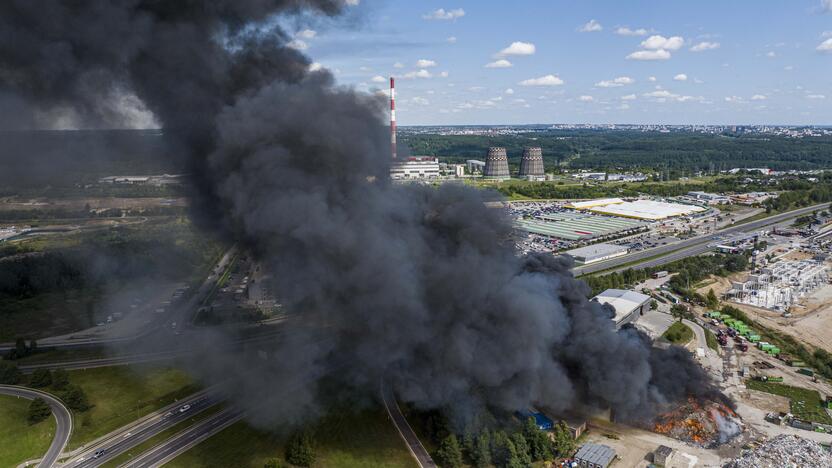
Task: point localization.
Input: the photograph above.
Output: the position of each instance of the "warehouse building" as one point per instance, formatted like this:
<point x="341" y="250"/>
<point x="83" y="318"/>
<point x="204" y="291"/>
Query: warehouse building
<point x="597" y="253"/>
<point x="710" y="198"/>
<point x="628" y="305"/>
<point x="647" y="209"/>
<point x="594" y="456"/>
<point x="579" y="226"/>
<point x="587" y="204"/>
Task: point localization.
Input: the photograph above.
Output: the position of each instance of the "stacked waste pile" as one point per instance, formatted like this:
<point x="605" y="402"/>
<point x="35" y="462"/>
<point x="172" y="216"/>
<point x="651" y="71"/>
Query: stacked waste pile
<point x="783" y="451"/>
<point x="706" y="424"/>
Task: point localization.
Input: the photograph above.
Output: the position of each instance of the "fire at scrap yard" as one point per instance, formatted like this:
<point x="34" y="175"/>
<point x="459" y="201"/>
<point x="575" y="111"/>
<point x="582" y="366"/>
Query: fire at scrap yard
<point x="289" y="277"/>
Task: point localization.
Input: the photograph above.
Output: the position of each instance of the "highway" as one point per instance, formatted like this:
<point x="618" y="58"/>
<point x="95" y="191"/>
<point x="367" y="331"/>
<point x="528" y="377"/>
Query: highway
<point x="417" y="450"/>
<point x="63" y="428"/>
<point x="184" y="440"/>
<point x="123" y="439"/>
<point x="182" y="314"/>
<point x="688" y="247"/>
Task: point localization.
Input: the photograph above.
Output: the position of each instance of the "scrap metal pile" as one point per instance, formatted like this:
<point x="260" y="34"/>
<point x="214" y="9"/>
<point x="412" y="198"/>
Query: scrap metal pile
<point x="706" y="424"/>
<point x="783" y="451"/>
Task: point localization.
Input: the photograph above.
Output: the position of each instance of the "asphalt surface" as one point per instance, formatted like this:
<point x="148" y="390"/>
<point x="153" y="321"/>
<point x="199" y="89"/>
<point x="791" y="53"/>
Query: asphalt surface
<point x="420" y="454"/>
<point x="181" y="315"/>
<point x="688" y="247"/>
<point x="184" y="440"/>
<point x="130" y="436"/>
<point x="63" y="428"/>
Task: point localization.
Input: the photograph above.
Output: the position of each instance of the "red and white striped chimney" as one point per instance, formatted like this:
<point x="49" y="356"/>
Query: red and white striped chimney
<point x="393" y="117"/>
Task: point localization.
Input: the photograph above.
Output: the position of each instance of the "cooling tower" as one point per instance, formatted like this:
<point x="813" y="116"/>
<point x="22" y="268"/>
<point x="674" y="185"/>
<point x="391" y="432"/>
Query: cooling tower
<point x="496" y="164"/>
<point x="531" y="164"/>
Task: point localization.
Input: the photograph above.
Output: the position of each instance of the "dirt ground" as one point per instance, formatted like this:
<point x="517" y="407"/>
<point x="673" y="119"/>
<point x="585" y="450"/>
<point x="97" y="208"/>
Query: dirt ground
<point x="14" y="203"/>
<point x="811" y="320"/>
<point x="635" y="447"/>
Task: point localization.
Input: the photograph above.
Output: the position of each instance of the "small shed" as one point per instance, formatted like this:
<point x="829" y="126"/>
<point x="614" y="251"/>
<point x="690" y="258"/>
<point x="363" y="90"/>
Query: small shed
<point x="662" y="455"/>
<point x="594" y="456"/>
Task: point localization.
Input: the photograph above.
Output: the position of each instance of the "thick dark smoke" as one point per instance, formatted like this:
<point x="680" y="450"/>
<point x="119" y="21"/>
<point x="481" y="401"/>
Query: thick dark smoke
<point x="416" y="283"/>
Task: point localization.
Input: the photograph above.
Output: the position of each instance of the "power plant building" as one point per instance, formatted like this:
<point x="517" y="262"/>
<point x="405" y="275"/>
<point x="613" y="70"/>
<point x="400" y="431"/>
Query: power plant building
<point x="531" y="164"/>
<point x="628" y="305"/>
<point x="496" y="164"/>
<point x="415" y="168"/>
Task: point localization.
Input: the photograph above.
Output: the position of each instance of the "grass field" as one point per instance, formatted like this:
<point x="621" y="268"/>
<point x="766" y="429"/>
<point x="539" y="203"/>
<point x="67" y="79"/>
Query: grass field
<point x="711" y="339"/>
<point x="345" y="439"/>
<point x="18" y="440"/>
<point x="678" y="333"/>
<point x="123" y="394"/>
<point x="804" y="404"/>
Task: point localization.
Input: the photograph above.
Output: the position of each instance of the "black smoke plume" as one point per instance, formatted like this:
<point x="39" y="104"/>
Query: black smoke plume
<point x="419" y="284"/>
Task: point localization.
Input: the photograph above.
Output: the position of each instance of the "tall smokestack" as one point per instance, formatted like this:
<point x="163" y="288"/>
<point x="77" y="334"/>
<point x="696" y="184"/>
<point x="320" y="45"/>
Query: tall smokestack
<point x="393" y="116"/>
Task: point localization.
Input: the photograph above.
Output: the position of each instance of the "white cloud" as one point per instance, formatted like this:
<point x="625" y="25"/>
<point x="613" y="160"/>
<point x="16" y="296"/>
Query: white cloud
<point x="425" y="63"/>
<point x="307" y="34"/>
<point x="771" y="54"/>
<point x="378" y="79"/>
<point x="758" y="97"/>
<point x="826" y="34"/>
<point x="442" y="14"/>
<point x="663" y="95"/>
<point x="315" y="66"/>
<point x="298" y="44"/>
<point x="476" y="89"/>
<point x="509" y="91"/>
<point x="704" y="45"/>
<point x="734" y="99"/>
<point x="815" y="96"/>
<point x="660" y="54"/>
<point x="680" y="77"/>
<point x="591" y="26"/>
<point x="586" y="98"/>
<point x="825" y="46"/>
<point x="614" y="83"/>
<point x="625" y="31"/>
<point x="352" y="2"/>
<point x="547" y="80"/>
<point x="417" y="74"/>
<point x="517" y="48"/>
<point x="443" y="74"/>
<point x="826" y="6"/>
<point x="624" y="106"/>
<point x="657" y="42"/>
<point x="651" y="78"/>
<point x="398" y="65"/>
<point x="451" y="40"/>
<point x="788" y="68"/>
<point x="628" y="97"/>
<point x="420" y="101"/>
<point x="502" y="63"/>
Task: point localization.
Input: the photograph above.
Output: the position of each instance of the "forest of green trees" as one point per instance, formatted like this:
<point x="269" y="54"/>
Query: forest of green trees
<point x="630" y="149"/>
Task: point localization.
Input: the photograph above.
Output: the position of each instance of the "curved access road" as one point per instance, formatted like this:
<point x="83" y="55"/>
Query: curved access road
<point x="414" y="445"/>
<point x="63" y="429"/>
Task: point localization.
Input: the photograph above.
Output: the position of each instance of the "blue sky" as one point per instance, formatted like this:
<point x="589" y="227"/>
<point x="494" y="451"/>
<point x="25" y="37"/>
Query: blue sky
<point x="586" y="61"/>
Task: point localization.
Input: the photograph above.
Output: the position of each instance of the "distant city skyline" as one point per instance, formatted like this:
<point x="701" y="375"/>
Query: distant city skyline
<point x="526" y="62"/>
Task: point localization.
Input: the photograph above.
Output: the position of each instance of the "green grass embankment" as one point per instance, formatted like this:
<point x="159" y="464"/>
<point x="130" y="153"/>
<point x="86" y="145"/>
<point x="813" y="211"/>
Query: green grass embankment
<point x="20" y="441"/>
<point x="804" y="404"/>
<point x="678" y="334"/>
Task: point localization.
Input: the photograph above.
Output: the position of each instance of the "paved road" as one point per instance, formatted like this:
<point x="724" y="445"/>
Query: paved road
<point x="183" y="314"/>
<point x="689" y="247"/>
<point x="420" y="454"/>
<point x="117" y="442"/>
<point x="184" y="440"/>
<point x="63" y="429"/>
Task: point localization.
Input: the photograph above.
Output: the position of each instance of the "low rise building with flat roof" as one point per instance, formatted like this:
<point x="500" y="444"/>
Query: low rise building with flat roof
<point x="628" y="305"/>
<point x="597" y="252"/>
<point x="594" y="456"/>
<point x="587" y="204"/>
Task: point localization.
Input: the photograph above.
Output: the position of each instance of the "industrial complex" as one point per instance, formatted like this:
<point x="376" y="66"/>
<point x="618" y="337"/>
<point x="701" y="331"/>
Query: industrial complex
<point x="779" y="285"/>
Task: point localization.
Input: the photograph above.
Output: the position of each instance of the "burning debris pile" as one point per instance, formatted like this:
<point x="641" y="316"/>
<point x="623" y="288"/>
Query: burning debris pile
<point x="706" y="425"/>
<point x="783" y="451"/>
